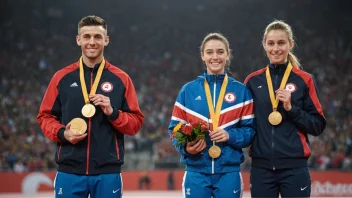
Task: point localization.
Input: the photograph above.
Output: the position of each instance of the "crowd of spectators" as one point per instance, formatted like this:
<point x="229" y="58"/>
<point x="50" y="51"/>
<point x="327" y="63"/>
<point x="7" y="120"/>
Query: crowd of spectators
<point x="157" y="44"/>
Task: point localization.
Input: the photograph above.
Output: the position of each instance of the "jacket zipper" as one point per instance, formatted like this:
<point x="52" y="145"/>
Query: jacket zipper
<point x="89" y="128"/>
<point x="214" y="103"/>
<point x="273" y="129"/>
<point x="273" y="146"/>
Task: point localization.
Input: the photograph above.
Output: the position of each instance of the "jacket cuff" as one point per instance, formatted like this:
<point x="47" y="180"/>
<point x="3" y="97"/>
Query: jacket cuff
<point x="61" y="136"/>
<point x="294" y="112"/>
<point x="185" y="151"/>
<point x="114" y="115"/>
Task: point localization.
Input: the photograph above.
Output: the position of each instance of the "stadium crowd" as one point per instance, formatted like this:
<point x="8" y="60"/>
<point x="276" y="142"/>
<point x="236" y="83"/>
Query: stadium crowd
<point x="157" y="44"/>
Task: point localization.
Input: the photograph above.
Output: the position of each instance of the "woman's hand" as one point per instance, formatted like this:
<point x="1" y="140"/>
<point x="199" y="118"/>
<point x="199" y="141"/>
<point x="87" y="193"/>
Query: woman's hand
<point x="219" y="135"/>
<point x="195" y="147"/>
<point x="285" y="97"/>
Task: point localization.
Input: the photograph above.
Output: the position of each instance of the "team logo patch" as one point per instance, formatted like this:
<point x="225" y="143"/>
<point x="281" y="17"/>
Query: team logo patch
<point x="106" y="87"/>
<point x="230" y="97"/>
<point x="291" y="87"/>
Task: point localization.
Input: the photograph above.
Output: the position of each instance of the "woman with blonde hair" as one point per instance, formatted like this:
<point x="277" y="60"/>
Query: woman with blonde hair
<point x="287" y="109"/>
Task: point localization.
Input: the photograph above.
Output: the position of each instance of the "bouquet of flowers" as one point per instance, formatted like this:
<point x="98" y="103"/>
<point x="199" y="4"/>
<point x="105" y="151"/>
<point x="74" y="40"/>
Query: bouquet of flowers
<point x="189" y="132"/>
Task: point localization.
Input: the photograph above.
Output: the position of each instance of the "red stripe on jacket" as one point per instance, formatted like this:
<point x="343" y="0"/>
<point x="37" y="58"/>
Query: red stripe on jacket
<point x="49" y="123"/>
<point x="234" y="114"/>
<point x="127" y="122"/>
<point x="254" y="74"/>
<point x="182" y="114"/>
<point x="306" y="149"/>
<point x="312" y="91"/>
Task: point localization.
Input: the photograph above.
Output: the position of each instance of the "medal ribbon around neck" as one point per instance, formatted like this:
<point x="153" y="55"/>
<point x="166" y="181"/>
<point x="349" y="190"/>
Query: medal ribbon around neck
<point x="95" y="83"/>
<point x="88" y="109"/>
<point x="215" y="151"/>
<point x="215" y="115"/>
<point x="275" y="100"/>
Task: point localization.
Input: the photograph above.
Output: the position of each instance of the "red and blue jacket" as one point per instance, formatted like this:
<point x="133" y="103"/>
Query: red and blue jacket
<point x="102" y="151"/>
<point x="236" y="117"/>
<point x="285" y="145"/>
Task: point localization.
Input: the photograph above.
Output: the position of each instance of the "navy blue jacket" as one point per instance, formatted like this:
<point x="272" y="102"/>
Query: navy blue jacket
<point x="102" y="151"/>
<point x="285" y="145"/>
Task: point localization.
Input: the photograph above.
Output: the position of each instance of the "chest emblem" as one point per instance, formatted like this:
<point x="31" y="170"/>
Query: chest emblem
<point x="230" y="97"/>
<point x="106" y="87"/>
<point x="291" y="87"/>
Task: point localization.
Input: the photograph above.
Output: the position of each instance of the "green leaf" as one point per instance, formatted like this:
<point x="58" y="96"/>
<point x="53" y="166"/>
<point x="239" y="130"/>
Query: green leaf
<point x="179" y="135"/>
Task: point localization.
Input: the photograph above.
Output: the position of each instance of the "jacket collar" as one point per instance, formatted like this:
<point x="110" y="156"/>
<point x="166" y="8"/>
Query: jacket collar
<point x="278" y="68"/>
<point x="94" y="69"/>
<point x="212" y="77"/>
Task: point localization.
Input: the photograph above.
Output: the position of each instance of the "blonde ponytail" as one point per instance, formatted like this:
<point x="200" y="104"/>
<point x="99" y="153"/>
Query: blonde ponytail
<point x="293" y="59"/>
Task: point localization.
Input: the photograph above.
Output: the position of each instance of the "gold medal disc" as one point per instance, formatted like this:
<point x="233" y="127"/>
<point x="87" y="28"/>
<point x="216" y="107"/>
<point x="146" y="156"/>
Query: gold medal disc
<point x="275" y="118"/>
<point x="78" y="125"/>
<point x="88" y="110"/>
<point x="214" y="151"/>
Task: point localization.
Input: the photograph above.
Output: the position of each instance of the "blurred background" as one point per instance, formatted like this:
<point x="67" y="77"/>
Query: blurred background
<point x="157" y="43"/>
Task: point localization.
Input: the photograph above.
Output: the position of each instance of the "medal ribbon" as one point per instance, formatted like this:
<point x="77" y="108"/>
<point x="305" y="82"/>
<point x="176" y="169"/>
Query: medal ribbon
<point x="215" y="116"/>
<point x="275" y="101"/>
<point x="95" y="83"/>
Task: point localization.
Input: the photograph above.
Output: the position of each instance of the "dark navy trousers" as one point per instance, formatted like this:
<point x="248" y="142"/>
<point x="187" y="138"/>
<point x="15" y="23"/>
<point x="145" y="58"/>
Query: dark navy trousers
<point x="294" y="182"/>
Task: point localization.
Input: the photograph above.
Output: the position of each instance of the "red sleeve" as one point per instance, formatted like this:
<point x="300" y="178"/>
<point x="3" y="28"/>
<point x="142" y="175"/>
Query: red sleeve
<point x="253" y="74"/>
<point x="130" y="117"/>
<point x="50" y="111"/>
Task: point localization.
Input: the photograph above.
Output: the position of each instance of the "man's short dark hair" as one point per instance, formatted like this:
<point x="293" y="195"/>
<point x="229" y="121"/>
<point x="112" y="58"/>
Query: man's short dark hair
<point x="92" y="20"/>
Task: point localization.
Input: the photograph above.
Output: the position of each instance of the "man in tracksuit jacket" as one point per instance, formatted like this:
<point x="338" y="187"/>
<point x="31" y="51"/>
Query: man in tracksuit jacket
<point x="90" y="163"/>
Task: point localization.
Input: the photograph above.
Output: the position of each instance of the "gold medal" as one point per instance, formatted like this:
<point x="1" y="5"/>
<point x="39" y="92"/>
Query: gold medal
<point x="214" y="151"/>
<point x="275" y="118"/>
<point x="78" y="125"/>
<point x="88" y="110"/>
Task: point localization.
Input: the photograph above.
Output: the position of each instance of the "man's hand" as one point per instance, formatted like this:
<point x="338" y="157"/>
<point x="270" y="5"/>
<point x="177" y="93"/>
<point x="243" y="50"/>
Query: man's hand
<point x="73" y="137"/>
<point x="103" y="102"/>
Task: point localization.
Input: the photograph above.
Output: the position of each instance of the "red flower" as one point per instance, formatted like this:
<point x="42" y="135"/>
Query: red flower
<point x="196" y="124"/>
<point x="186" y="129"/>
<point x="184" y="133"/>
<point x="204" y="127"/>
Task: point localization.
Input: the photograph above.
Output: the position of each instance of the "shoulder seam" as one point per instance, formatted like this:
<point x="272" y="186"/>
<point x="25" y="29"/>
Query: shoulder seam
<point x="256" y="73"/>
<point x="64" y="71"/>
